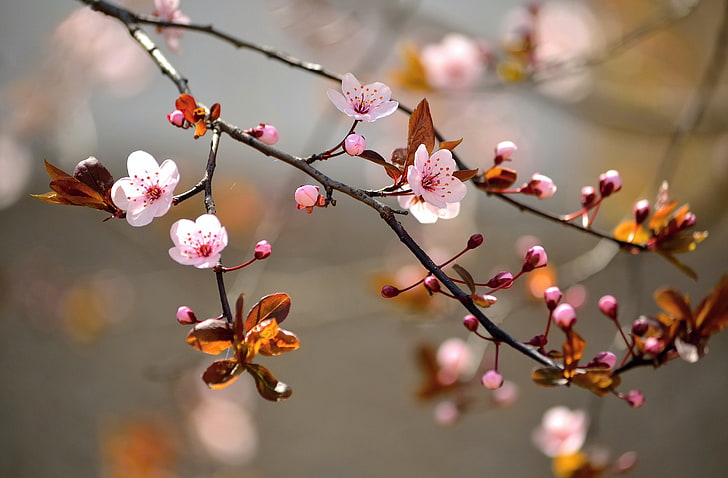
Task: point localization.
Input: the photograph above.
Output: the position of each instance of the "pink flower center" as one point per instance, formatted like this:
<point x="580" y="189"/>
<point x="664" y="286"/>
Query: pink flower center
<point x="154" y="192"/>
<point x="430" y="181"/>
<point x="204" y="250"/>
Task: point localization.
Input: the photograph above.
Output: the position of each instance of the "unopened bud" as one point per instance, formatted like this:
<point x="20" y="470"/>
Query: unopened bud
<point x="483" y="300"/>
<point x="564" y="316"/>
<point x="475" y="241"/>
<point x="307" y="196"/>
<point x="262" y="249"/>
<point x="266" y="133"/>
<point x="641" y="210"/>
<point x="354" y="144"/>
<point x="535" y="257"/>
<point x="552" y="296"/>
<point x="504" y="150"/>
<point x="471" y="322"/>
<point x="389" y="291"/>
<point x="540" y="186"/>
<point x="640" y="326"/>
<point x="688" y="221"/>
<point x="609" y="183"/>
<point x="604" y="360"/>
<point x="654" y="346"/>
<point x="185" y="316"/>
<point x="608" y="306"/>
<point x="588" y="196"/>
<point x="502" y="280"/>
<point x="635" y="398"/>
<point x="432" y="284"/>
<point x="492" y="380"/>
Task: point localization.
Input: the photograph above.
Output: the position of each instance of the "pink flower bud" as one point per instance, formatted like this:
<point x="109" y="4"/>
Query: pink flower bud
<point x="176" y="118"/>
<point x="654" y="346"/>
<point x="564" y="316"/>
<point x="354" y="144"/>
<point x="266" y="133"/>
<point x="604" y="360"/>
<point x="475" y="241"/>
<point x="483" y="300"/>
<point x="609" y="183"/>
<point x="635" y="398"/>
<point x="389" y="291"/>
<point x="641" y="210"/>
<point x="492" y="380"/>
<point x="471" y="322"/>
<point x="307" y="196"/>
<point x="608" y="306"/>
<point x="552" y="296"/>
<point x="502" y="280"/>
<point x="640" y="326"/>
<point x="540" y="186"/>
<point x="262" y="250"/>
<point x="535" y="257"/>
<point x="185" y="316"/>
<point x="688" y="221"/>
<point x="432" y="284"/>
<point x="504" y="150"/>
<point x="588" y="196"/>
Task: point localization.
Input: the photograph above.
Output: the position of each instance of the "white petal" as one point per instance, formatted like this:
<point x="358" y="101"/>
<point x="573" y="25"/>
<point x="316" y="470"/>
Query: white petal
<point x="385" y="109"/>
<point x="451" y="211"/>
<point x="688" y="352"/>
<point x="169" y="173"/>
<point x="180" y="229"/>
<point x="208" y="223"/>
<point x="340" y="102"/>
<point x="424" y="213"/>
<point x="141" y="162"/>
<point x="349" y="82"/>
<point x="119" y="193"/>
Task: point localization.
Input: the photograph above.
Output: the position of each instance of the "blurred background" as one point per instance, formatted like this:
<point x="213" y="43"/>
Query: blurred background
<point x="97" y="379"/>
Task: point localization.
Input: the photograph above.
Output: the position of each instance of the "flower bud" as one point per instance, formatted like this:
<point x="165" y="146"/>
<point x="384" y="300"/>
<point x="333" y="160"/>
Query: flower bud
<point x="552" y="296"/>
<point x="185" y="316"/>
<point x="609" y="183"/>
<point x="492" y="380"/>
<point x="588" y="196"/>
<point x="608" y="306"/>
<point x="432" y="284"/>
<point x="635" y="398"/>
<point x="564" y="316"/>
<point x="354" y="144"/>
<point x="539" y="341"/>
<point x="504" y="150"/>
<point x="389" y="291"/>
<point x="266" y="133"/>
<point x="641" y="211"/>
<point x="483" y="300"/>
<point x="471" y="322"/>
<point x="502" y="280"/>
<point x="475" y="241"/>
<point x="262" y="249"/>
<point x="176" y="118"/>
<point x="688" y="221"/>
<point x="540" y="186"/>
<point x="307" y="196"/>
<point x="535" y="257"/>
<point x="604" y="360"/>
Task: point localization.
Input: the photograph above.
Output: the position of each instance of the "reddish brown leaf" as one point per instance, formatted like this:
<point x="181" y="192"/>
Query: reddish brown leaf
<point x="274" y="306"/>
<point x="466" y="276"/>
<point x="711" y="316"/>
<point x="70" y="191"/>
<point x="465" y="174"/>
<point x="399" y="157"/>
<point x="187" y="105"/>
<point x="548" y="377"/>
<point x="421" y="131"/>
<point x="268" y="386"/>
<point x="222" y="373"/>
<point x="673" y="302"/>
<point x="376" y="158"/>
<point x="573" y="351"/>
<point x="600" y="382"/>
<point x="211" y="336"/>
<point x="238" y="324"/>
<point x="500" y="178"/>
<point x="450" y="145"/>
<point x="214" y="111"/>
<point x="284" y="341"/>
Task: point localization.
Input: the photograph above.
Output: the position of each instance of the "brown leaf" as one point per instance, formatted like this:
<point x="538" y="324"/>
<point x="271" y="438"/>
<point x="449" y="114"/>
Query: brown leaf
<point x="500" y="178"/>
<point x="450" y="145"/>
<point x="187" y="105"/>
<point x="238" y="324"/>
<point x="466" y="276"/>
<point x="266" y="338"/>
<point x="376" y="158"/>
<point x="548" y="377"/>
<point x="465" y="174"/>
<point x="421" y="131"/>
<point x="214" y="111"/>
<point x="268" y="386"/>
<point x="600" y="382"/>
<point x="274" y="306"/>
<point x="70" y="191"/>
<point x="90" y="171"/>
<point x="222" y="373"/>
<point x="673" y="302"/>
<point x="573" y="351"/>
<point x="399" y="157"/>
<point x="711" y="315"/>
<point x="211" y="336"/>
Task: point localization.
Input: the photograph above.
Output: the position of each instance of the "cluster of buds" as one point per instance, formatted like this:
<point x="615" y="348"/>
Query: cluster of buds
<point x="609" y="183"/>
<point x="499" y="179"/>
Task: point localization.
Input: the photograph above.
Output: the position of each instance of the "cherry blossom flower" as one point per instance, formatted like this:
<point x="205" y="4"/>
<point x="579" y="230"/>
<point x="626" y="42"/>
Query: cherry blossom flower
<point x="198" y="243"/>
<point x="425" y="212"/>
<point x="431" y="179"/>
<point x="456" y="62"/>
<point x="562" y="431"/>
<point x="147" y="192"/>
<point x="168" y="11"/>
<point x="363" y="102"/>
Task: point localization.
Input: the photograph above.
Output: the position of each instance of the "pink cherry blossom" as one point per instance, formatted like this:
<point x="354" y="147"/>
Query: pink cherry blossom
<point x="454" y="358"/>
<point x="456" y="62"/>
<point x="430" y="177"/>
<point x="425" y="212"/>
<point x="147" y="192"/>
<point x="198" y="243"/>
<point x="168" y="11"/>
<point x="564" y="316"/>
<point x="562" y="431"/>
<point x="363" y="102"/>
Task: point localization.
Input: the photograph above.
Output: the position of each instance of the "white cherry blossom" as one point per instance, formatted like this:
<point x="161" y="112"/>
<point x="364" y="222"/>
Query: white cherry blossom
<point x="198" y="243"/>
<point x="363" y="102"/>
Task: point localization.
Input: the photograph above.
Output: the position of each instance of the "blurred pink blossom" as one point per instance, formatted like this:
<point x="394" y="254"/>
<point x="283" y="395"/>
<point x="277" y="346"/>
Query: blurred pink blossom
<point x="456" y="62"/>
<point x="562" y="431"/>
